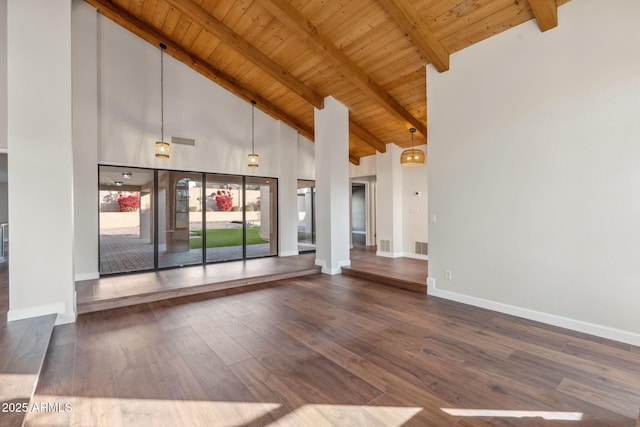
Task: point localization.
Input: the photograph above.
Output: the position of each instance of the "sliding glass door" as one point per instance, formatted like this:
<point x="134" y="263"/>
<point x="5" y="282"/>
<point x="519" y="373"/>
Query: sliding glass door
<point x="261" y="217"/>
<point x="154" y="219"/>
<point x="126" y="219"/>
<point x="179" y="218"/>
<point x="224" y="217"/>
<point x="306" y="216"/>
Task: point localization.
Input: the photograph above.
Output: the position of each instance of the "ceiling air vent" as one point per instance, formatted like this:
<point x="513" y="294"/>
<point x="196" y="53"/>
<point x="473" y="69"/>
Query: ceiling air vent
<point x="183" y="141"/>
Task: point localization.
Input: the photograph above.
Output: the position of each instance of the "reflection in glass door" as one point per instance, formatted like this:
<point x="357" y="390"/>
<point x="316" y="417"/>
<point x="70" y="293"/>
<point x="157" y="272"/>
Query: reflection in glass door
<point x="261" y="217"/>
<point x="306" y="216"/>
<point x="126" y="219"/>
<point x="179" y="218"/>
<point x="224" y="217"/>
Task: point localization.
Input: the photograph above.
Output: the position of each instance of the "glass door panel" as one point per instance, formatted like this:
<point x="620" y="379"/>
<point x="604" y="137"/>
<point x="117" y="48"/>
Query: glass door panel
<point x="179" y="218"/>
<point x="224" y="217"/>
<point x="306" y="216"/>
<point x="261" y="232"/>
<point x="126" y="219"/>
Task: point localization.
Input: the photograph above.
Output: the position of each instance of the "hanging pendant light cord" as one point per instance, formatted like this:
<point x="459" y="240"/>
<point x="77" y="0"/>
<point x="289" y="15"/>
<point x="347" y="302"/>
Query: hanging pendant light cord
<point x="253" y="113"/>
<point x="162" y="47"/>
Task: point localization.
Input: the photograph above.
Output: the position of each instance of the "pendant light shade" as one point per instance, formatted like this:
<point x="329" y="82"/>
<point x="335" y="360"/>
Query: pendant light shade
<point x="412" y="156"/>
<point x="162" y="147"/>
<point x="253" y="160"/>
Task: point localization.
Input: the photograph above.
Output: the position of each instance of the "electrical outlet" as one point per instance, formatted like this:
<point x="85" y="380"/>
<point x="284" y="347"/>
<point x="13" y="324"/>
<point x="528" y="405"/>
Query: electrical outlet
<point x="447" y="274"/>
<point x="433" y="218"/>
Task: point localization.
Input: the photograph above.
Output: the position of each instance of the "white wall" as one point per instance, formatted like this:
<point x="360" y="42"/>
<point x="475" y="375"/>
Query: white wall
<point x="332" y="186"/>
<point x="3" y="74"/>
<point x="194" y="107"/>
<point x="40" y="167"/>
<point x="306" y="159"/>
<point x="84" y="45"/>
<point x="415" y="224"/>
<point x="533" y="171"/>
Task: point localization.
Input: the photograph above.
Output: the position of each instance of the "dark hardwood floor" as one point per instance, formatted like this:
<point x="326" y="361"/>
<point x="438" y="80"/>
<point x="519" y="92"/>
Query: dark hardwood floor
<point x="326" y="350"/>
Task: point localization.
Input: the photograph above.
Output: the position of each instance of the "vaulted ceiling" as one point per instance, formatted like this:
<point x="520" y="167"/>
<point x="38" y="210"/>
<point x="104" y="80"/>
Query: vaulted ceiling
<point x="289" y="55"/>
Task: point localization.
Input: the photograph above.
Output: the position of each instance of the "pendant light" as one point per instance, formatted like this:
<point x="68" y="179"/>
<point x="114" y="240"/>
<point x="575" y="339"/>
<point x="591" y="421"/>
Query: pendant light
<point x="162" y="147"/>
<point x="252" y="159"/>
<point x="412" y="156"/>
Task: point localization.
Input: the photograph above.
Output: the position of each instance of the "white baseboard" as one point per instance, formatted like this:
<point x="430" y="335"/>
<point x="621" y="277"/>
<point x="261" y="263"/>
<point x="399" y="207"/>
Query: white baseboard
<point x="538" y="316"/>
<point x="289" y="253"/>
<point x="332" y="270"/>
<point x="415" y="256"/>
<point x="64" y="318"/>
<point x="42" y="310"/>
<point x="86" y="276"/>
<point x="389" y="254"/>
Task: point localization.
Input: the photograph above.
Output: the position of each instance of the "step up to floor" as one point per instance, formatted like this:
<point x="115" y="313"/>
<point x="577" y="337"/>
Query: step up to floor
<point x="89" y="305"/>
<point x="396" y="282"/>
<point x="23" y="346"/>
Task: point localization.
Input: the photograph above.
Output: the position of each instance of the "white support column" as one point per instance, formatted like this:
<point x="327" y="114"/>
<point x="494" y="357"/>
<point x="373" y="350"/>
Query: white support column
<point x="287" y="191"/>
<point x="85" y="137"/>
<point x="389" y="202"/>
<point x="332" y="186"/>
<point x="40" y="166"/>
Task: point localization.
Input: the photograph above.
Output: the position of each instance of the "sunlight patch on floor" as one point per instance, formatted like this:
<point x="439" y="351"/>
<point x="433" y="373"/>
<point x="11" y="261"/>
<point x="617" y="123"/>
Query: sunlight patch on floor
<point x="75" y="410"/>
<point x="547" y="415"/>
<point x="80" y="410"/>
<point x="348" y="415"/>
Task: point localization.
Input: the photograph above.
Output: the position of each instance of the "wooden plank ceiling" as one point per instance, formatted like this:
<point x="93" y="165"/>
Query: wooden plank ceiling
<point x="289" y="55"/>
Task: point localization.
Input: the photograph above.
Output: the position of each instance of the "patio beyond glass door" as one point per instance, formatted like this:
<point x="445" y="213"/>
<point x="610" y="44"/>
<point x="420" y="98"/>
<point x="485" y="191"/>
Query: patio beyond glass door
<point x="224" y="217"/>
<point x="262" y="217"/>
<point x="179" y="218"/>
<point x="126" y="219"/>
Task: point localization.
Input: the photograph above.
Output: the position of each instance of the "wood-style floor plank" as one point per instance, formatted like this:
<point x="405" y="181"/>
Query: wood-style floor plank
<point x="329" y="351"/>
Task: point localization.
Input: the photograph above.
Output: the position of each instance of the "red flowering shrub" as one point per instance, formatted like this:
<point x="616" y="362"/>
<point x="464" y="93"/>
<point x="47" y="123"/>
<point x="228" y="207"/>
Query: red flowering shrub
<point x="129" y="203"/>
<point x="224" y="200"/>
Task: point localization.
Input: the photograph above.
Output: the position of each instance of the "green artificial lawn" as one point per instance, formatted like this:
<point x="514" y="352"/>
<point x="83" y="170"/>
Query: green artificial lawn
<point x="219" y="237"/>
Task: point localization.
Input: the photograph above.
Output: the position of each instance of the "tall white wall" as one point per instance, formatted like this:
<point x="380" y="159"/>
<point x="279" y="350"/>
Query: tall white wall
<point x="194" y="107"/>
<point x="84" y="43"/>
<point x="288" y="193"/>
<point x="40" y="169"/>
<point x="533" y="171"/>
<point x="332" y="183"/>
<point x="3" y="74"/>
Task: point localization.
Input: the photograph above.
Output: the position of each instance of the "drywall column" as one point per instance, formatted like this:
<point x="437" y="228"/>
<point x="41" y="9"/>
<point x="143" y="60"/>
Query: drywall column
<point x="389" y="202"/>
<point x="3" y="76"/>
<point x="41" y="162"/>
<point x="288" y="191"/>
<point x="85" y="138"/>
<point x="332" y="186"/>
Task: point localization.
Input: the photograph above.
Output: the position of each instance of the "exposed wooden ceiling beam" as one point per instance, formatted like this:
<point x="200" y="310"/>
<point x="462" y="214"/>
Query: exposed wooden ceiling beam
<point x="304" y="29"/>
<point x="153" y="36"/>
<point x="409" y="20"/>
<point x="251" y="53"/>
<point x="546" y="13"/>
<point x="366" y="136"/>
<point x="354" y="160"/>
